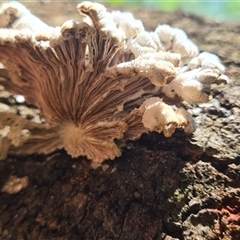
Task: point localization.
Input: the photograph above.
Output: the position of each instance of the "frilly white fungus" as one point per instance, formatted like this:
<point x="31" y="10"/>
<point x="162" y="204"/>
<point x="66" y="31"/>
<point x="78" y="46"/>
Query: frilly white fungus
<point x="96" y="80"/>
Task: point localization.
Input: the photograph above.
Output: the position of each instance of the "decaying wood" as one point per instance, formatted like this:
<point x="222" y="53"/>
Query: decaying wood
<point x="184" y="187"/>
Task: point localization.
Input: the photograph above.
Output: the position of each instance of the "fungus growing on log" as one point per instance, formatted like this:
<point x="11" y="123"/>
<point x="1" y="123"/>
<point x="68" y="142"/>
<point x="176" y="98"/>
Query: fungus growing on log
<point x="98" y="82"/>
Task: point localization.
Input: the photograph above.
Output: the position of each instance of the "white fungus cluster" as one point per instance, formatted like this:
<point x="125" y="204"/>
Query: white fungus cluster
<point x="15" y="15"/>
<point x="102" y="79"/>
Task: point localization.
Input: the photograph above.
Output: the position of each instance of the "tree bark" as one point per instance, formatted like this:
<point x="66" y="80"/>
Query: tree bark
<point x="183" y="187"/>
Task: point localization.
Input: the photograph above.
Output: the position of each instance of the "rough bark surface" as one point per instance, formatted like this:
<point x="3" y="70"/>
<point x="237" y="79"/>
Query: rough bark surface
<point x="184" y="187"/>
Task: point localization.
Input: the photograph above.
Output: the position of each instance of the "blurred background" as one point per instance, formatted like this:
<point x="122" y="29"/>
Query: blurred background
<point x="219" y="10"/>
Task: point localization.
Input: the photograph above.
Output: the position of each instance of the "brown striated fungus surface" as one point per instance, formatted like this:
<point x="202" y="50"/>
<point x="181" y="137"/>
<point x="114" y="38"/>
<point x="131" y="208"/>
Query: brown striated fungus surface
<point x="97" y="81"/>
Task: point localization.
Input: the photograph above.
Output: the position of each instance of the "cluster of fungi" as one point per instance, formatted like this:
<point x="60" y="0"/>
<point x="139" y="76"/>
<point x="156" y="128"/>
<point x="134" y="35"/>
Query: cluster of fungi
<point x="97" y="82"/>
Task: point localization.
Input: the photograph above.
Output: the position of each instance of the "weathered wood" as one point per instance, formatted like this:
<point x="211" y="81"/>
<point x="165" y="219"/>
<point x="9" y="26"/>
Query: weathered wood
<point x="184" y="187"/>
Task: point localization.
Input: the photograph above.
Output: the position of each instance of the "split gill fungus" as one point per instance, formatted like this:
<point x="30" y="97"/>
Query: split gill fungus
<point x="98" y="82"/>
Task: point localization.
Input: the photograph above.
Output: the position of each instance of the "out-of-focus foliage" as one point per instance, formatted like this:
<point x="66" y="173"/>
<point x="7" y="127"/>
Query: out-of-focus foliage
<point x="220" y="9"/>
